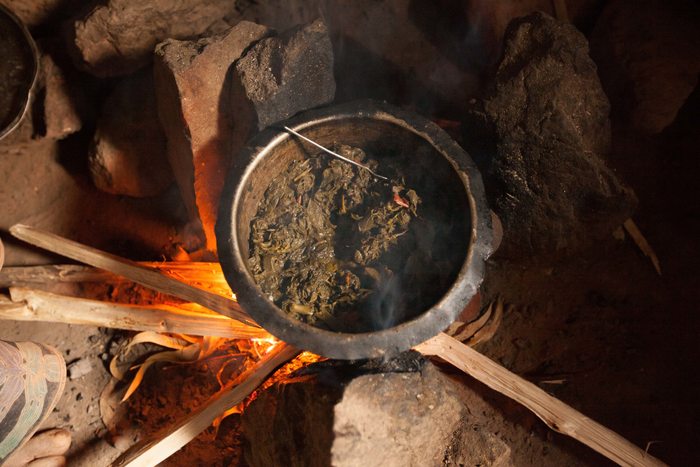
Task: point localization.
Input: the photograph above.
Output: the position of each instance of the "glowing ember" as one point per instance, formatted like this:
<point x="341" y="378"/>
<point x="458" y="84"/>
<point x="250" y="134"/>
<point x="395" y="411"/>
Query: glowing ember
<point x="268" y="344"/>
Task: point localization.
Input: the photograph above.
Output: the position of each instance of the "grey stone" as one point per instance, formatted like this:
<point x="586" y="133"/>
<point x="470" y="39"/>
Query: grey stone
<point x="474" y="445"/>
<point x="127" y="155"/>
<point x="345" y="417"/>
<point x="648" y="57"/>
<point x="280" y="77"/>
<point x="79" y="368"/>
<point x="541" y="138"/>
<point x="192" y="83"/>
<point x="120" y="36"/>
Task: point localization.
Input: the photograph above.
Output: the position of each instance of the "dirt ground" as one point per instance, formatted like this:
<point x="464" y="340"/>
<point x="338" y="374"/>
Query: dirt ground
<point x="615" y="340"/>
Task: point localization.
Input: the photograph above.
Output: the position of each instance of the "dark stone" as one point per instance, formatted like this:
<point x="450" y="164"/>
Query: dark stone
<point x="426" y="55"/>
<point x="127" y="156"/>
<point x="280" y="77"/>
<point x="403" y="413"/>
<point x="120" y="36"/>
<point x="540" y="138"/>
<point x="648" y="57"/>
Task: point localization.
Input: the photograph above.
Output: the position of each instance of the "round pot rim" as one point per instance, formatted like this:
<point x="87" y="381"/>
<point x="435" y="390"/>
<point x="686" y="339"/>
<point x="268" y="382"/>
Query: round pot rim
<point x="385" y="343"/>
<point x="27" y="99"/>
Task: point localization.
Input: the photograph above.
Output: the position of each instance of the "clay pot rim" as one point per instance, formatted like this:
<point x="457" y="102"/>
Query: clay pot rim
<point x="379" y="344"/>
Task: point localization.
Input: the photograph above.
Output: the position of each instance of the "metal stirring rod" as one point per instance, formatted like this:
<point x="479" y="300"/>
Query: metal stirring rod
<point x="334" y="154"/>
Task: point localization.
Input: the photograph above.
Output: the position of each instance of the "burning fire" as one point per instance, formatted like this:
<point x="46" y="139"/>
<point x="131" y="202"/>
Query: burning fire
<point x="268" y="343"/>
<point x="225" y="358"/>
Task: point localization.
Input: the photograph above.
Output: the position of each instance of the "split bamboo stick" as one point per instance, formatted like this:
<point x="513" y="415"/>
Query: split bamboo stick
<point x="556" y="414"/>
<point x="131" y="270"/>
<point x="150" y="452"/>
<point x="35" y="305"/>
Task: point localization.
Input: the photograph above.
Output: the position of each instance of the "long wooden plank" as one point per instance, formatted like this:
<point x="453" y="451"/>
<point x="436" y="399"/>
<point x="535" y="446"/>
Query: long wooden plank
<point x="35" y="305"/>
<point x="151" y="452"/>
<point x="556" y="414"/>
<point x="131" y="270"/>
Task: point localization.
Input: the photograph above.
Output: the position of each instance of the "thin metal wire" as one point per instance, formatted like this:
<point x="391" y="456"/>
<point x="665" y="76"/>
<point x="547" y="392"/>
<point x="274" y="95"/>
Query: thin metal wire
<point x="334" y="154"/>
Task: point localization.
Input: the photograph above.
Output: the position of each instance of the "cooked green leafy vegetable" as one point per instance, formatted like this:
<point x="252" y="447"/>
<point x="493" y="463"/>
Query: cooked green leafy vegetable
<point x="325" y="239"/>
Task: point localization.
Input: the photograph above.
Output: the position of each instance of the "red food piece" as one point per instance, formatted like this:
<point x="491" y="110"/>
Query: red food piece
<point x="400" y="201"/>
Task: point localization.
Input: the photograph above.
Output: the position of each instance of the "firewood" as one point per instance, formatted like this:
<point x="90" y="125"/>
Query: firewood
<point x="35" y="305"/>
<point x="150" y="452"/>
<point x="131" y="270"/>
<point x="206" y="276"/>
<point x="642" y="243"/>
<point x="556" y="414"/>
<point x="560" y="11"/>
<point x="25" y="276"/>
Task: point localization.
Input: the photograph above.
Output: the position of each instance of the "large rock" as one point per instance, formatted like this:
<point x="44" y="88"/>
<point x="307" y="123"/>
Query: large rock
<point x="193" y="104"/>
<point x="648" y="57"/>
<point x="40" y="13"/>
<point x="209" y="114"/>
<point x="429" y="55"/>
<point x="127" y="156"/>
<point x="279" y="77"/>
<point x="475" y="446"/>
<point x="57" y="105"/>
<point x="541" y="138"/>
<point x="337" y="414"/>
<point x="120" y="36"/>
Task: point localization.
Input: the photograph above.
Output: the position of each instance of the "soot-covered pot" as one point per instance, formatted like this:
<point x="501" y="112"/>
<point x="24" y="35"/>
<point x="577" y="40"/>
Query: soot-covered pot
<point x="442" y="172"/>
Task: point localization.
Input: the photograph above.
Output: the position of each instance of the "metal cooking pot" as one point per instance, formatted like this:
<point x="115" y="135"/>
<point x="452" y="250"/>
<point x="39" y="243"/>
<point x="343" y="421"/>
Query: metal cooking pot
<point x="19" y="70"/>
<point x="449" y="176"/>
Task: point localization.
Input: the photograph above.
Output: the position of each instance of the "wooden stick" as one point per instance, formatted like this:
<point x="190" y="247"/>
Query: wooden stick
<point x="131" y="270"/>
<point x="206" y="276"/>
<point x="149" y="453"/>
<point x="24" y="276"/>
<point x="556" y="414"/>
<point x="642" y="243"/>
<point x="35" y="305"/>
<point x="560" y="11"/>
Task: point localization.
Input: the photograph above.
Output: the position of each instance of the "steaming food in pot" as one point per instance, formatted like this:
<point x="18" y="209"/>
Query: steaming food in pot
<point x="327" y="243"/>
